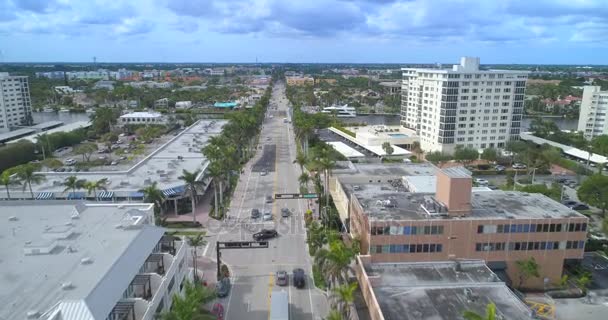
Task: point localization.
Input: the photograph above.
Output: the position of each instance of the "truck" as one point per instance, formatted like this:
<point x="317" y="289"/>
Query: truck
<point x="279" y="305"/>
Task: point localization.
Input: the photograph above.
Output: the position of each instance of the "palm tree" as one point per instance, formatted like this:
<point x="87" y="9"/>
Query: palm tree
<point x="345" y="297"/>
<point x="190" y="179"/>
<point x="333" y="315"/>
<point x="93" y="186"/>
<point x="214" y="171"/>
<point x="490" y="313"/>
<point x="335" y="261"/>
<point x="6" y="179"/>
<point x="153" y="195"/>
<point x="416" y="149"/>
<point x="189" y="306"/>
<point x="303" y="179"/>
<point x="194" y="243"/>
<point x="27" y="174"/>
<point x="301" y="160"/>
<point x="73" y="183"/>
<point x="388" y="148"/>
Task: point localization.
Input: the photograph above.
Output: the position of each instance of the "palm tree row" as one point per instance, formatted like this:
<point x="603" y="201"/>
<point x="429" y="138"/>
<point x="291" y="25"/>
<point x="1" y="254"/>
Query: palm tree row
<point x="227" y="151"/>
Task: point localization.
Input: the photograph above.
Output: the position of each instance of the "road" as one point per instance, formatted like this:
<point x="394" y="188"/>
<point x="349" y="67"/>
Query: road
<point x="252" y="270"/>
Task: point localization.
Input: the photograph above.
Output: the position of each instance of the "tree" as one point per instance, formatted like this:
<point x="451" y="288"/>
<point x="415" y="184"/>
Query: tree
<point x="304" y="178"/>
<point x="317" y="237"/>
<point x="27" y="175"/>
<point x="386" y="146"/>
<point x="416" y="149"/>
<point x="600" y="144"/>
<point x="93" y="186"/>
<point x="345" y="296"/>
<point x="214" y="171"/>
<point x="154" y="195"/>
<point x="73" y="183"/>
<point x="583" y="281"/>
<point x="437" y="156"/>
<point x="489" y="154"/>
<point x="196" y="242"/>
<point x="334" y="262"/>
<point x="301" y="160"/>
<point x="189" y="306"/>
<point x="51" y="163"/>
<point x="86" y="150"/>
<point x="7" y="179"/>
<point x="190" y="179"/>
<point x="103" y="119"/>
<point x="490" y="313"/>
<point x="594" y="191"/>
<point x="334" y="315"/>
<point x="465" y="154"/>
<point x="527" y="268"/>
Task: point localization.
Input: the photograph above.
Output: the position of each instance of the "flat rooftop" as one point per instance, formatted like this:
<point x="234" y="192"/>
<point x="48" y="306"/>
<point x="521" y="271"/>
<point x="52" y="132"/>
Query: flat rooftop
<point x="162" y="166"/>
<point x="64" y="234"/>
<point x="11" y="135"/>
<point x="441" y="290"/>
<point x="388" y="170"/>
<point x="345" y="150"/>
<point x="495" y="204"/>
<point x="63" y="128"/>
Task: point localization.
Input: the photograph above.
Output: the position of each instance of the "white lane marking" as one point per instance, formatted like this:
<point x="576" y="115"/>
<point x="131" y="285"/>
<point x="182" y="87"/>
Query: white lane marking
<point x="206" y="248"/>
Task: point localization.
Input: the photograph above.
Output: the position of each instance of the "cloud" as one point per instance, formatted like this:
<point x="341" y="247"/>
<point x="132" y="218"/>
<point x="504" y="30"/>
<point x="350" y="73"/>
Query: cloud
<point x="39" y="6"/>
<point x="107" y="15"/>
<point x="131" y="26"/>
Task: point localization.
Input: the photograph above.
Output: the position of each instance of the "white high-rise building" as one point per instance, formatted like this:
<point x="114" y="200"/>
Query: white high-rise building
<point x="592" y="120"/>
<point x="463" y="105"/>
<point x="15" y="103"/>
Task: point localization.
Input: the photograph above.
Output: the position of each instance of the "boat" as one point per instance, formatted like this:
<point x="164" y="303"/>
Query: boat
<point x="90" y="111"/>
<point x="48" y="109"/>
<point x="64" y="110"/>
<point x="341" y="111"/>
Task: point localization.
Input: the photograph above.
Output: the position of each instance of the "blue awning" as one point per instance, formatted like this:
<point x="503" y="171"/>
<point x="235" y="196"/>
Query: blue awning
<point x="136" y="194"/>
<point x="44" y="195"/>
<point x="173" y="191"/>
<point x="76" y="195"/>
<point x="105" y="195"/>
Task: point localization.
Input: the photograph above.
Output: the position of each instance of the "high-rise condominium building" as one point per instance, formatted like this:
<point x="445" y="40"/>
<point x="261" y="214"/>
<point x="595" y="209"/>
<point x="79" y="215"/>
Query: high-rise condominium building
<point x="15" y="103"/>
<point x="592" y="120"/>
<point x="463" y="106"/>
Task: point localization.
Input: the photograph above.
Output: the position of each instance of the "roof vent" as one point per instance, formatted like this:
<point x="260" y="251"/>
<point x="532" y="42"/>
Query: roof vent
<point x="12" y="218"/>
<point x="33" y="314"/>
<point x="86" y="260"/>
<point x="67" y="285"/>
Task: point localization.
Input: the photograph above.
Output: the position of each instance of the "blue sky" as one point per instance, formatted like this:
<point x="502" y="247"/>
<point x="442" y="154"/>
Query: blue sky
<point x="382" y="31"/>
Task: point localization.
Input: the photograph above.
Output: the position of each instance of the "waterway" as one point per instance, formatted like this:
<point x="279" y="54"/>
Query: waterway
<point x="562" y="123"/>
<point x="65" y="117"/>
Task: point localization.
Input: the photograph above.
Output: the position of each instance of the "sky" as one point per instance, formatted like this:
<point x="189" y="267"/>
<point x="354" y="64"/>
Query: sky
<point x="305" y="31"/>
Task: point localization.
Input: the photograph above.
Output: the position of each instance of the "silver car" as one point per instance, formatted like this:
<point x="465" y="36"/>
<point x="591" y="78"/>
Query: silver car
<point x="267" y="216"/>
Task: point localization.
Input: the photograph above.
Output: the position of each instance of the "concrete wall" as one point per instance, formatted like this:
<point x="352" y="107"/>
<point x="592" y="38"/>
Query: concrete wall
<point x="359" y="225"/>
<point x="375" y="313"/>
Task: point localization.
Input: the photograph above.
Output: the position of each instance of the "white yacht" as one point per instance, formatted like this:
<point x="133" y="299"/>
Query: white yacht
<point x="341" y="111"/>
<point x="48" y="109"/>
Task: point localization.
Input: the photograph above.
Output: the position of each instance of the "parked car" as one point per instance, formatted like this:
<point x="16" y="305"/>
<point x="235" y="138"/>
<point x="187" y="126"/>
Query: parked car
<point x="268" y="199"/>
<point x="267" y="216"/>
<point x="222" y="287"/>
<point x="282" y="278"/>
<point x="561" y="180"/>
<point x="500" y="168"/>
<point x="580" y="206"/>
<point x="265" y="234"/>
<point x="570" y="203"/>
<point x="115" y="162"/>
<point x="263" y="173"/>
<point x="482" y="182"/>
<point x="285" y="213"/>
<point x="299" y="278"/>
<point x="102" y="157"/>
<point x="69" y="162"/>
<point x="519" y="166"/>
<point x="255" y="213"/>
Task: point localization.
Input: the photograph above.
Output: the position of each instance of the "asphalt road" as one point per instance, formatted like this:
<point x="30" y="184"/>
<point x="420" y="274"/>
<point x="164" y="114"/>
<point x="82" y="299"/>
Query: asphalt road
<point x="252" y="270"/>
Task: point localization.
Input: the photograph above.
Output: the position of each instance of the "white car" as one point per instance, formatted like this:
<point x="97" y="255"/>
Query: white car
<point x="519" y="166"/>
<point x="267" y="216"/>
<point x="70" y="162"/>
<point x="482" y="182"/>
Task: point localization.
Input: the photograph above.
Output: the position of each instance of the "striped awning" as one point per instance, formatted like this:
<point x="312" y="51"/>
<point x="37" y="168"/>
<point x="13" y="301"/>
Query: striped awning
<point x="173" y="191"/>
<point x="105" y="195"/>
<point x="76" y="195"/>
<point x="44" y="195"/>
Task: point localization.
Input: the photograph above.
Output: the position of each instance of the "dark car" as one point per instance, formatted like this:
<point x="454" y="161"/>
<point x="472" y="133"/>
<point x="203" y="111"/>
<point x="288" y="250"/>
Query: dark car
<point x="570" y="203"/>
<point x="255" y="213"/>
<point x="580" y="206"/>
<point x="561" y="180"/>
<point x="282" y="278"/>
<point x="265" y="234"/>
<point x="299" y="278"/>
<point x="285" y="213"/>
<point x="222" y="287"/>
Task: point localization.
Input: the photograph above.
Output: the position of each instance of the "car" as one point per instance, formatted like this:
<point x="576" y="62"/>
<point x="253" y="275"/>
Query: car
<point x="267" y="216"/>
<point x="299" y="278"/>
<point x="580" y="206"/>
<point x="102" y="157"/>
<point x="285" y="213"/>
<point x="69" y="162"/>
<point x="268" y="199"/>
<point x="68" y="169"/>
<point x="122" y="158"/>
<point x="113" y="163"/>
<point x="482" y="182"/>
<point x="222" y="287"/>
<point x="561" y="180"/>
<point x="263" y="173"/>
<point x="265" y="234"/>
<point x="500" y="168"/>
<point x="282" y="278"/>
<point x="569" y="203"/>
<point x="255" y="213"/>
<point x="519" y="166"/>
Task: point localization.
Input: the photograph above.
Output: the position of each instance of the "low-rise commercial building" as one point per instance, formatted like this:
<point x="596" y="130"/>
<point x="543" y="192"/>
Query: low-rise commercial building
<point x="437" y="291"/>
<point x="142" y="118"/>
<point x="80" y="261"/>
<point x="397" y="224"/>
<point x="300" y="81"/>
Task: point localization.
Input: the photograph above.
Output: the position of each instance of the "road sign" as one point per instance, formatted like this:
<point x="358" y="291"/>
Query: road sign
<point x="296" y="195"/>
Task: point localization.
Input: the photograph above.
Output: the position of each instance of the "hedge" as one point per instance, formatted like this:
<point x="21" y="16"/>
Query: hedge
<point x="15" y="154"/>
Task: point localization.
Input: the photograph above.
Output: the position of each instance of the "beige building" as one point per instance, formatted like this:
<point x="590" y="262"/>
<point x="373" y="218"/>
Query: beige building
<point x="396" y="224"/>
<point x="15" y="103"/>
<point x="300" y="81"/>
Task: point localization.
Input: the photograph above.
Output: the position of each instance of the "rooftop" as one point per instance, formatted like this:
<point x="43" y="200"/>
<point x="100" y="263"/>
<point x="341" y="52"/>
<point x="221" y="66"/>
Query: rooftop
<point x="70" y="252"/>
<point x="63" y="128"/>
<point x="162" y="165"/>
<point x="441" y="290"/>
<point x="142" y="114"/>
<point x="396" y="170"/>
<point x="405" y="205"/>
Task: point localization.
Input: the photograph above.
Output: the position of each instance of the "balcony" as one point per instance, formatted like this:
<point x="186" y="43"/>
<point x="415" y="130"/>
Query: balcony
<point x="155" y="264"/>
<point x="167" y="244"/>
<point x="123" y="310"/>
<point x="141" y="287"/>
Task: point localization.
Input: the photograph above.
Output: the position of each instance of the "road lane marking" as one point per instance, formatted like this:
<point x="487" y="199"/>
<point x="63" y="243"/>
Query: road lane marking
<point x="206" y="248"/>
<point x="270" y="285"/>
